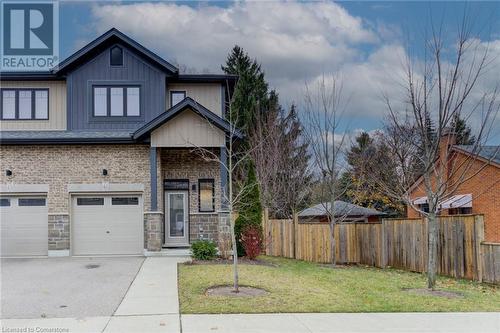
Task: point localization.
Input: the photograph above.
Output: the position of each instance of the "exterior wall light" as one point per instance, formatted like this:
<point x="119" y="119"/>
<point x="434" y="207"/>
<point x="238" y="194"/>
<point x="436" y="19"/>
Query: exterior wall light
<point x="8" y="172"/>
<point x="104" y="172"/>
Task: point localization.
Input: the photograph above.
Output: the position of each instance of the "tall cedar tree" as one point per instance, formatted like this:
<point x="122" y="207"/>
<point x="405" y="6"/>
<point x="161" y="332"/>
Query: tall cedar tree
<point x="251" y="92"/>
<point x="250" y="211"/>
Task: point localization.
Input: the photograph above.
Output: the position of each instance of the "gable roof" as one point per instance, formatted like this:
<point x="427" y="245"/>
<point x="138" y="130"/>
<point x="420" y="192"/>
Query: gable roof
<point x="342" y="207"/>
<point x="185" y="104"/>
<point x="107" y="39"/>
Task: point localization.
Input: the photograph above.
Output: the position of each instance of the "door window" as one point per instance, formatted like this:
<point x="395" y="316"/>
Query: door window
<point x="176" y="214"/>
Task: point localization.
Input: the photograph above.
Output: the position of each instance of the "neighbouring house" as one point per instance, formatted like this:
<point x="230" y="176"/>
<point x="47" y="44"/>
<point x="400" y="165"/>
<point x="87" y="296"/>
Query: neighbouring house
<point x="479" y="193"/>
<point x="344" y="211"/>
<point x="97" y="156"/>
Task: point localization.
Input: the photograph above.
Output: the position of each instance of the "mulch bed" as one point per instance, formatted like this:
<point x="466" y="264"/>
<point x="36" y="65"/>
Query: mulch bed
<point x="439" y="293"/>
<point x="243" y="291"/>
<point x="219" y="261"/>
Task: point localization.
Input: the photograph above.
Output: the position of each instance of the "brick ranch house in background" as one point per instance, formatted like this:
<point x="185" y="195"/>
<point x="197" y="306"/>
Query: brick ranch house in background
<point x="478" y="194"/>
<point x="97" y="156"/>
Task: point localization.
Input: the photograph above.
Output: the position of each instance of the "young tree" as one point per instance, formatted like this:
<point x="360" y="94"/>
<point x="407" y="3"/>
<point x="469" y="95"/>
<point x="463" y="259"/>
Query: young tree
<point x="323" y="111"/>
<point x="438" y="92"/>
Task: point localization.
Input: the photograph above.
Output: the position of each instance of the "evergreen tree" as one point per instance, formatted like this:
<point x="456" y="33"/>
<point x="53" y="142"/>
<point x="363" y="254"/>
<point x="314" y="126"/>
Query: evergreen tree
<point x="251" y="91"/>
<point x="462" y="131"/>
<point x="250" y="209"/>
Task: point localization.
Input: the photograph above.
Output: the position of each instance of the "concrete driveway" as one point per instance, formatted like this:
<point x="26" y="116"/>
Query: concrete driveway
<point x="65" y="287"/>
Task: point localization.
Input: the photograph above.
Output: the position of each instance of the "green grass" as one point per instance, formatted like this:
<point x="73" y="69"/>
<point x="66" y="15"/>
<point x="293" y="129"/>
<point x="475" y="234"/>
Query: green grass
<point x="298" y="286"/>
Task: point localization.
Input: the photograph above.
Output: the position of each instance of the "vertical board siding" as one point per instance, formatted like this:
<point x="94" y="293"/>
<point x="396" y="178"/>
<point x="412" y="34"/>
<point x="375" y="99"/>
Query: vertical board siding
<point x="207" y="94"/>
<point x="398" y="243"/>
<point x="135" y="70"/>
<point x="57" y="107"/>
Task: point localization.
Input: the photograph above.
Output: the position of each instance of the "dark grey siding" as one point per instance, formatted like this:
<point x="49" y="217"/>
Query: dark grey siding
<point x="135" y="70"/>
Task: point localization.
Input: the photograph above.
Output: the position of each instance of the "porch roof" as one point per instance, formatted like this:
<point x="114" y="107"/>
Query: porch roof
<point x="186" y="104"/>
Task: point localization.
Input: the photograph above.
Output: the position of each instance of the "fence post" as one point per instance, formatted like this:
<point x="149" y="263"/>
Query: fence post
<point x="295" y="218"/>
<point x="478" y="239"/>
<point x="383" y="246"/>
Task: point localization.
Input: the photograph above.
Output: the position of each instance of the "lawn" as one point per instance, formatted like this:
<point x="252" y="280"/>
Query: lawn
<point x="298" y="286"/>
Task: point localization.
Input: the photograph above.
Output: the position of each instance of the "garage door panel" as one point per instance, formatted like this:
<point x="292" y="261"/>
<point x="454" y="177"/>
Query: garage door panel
<point x="114" y="226"/>
<point x="24" y="229"/>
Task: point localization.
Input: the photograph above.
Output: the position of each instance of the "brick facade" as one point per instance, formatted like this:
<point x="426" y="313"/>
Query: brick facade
<point x="483" y="185"/>
<point x="59" y="229"/>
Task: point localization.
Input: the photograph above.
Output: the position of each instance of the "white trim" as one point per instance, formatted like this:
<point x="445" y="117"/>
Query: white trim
<point x="24" y="188"/>
<point x="105" y="187"/>
<point x="420" y="201"/>
<point x="457" y="201"/>
<point x="153" y="213"/>
<point x="54" y="214"/>
<point x="58" y="253"/>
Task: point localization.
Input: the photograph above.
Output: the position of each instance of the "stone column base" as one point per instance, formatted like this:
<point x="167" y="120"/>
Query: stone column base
<point x="58" y="232"/>
<point x="153" y="236"/>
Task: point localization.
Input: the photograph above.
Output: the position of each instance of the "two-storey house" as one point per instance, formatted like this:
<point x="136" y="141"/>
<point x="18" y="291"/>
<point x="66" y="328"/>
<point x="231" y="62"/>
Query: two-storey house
<point x="97" y="156"/>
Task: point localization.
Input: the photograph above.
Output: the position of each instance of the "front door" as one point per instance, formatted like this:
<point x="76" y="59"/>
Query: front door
<point x="176" y="218"/>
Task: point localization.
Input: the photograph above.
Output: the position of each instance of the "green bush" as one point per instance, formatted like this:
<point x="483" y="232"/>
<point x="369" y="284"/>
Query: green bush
<point x="203" y="250"/>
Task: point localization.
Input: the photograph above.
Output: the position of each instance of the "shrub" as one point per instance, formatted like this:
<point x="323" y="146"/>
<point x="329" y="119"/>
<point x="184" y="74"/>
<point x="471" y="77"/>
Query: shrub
<point x="203" y="250"/>
<point x="251" y="240"/>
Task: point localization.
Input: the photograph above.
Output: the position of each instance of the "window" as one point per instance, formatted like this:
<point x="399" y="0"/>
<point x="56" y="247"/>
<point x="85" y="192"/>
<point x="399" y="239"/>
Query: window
<point x="125" y="201"/>
<point x="176" y="184"/>
<point x="424" y="207"/>
<point x="176" y="97"/>
<point x="206" y="190"/>
<point x="90" y="201"/>
<point x="117" y="101"/>
<point x="4" y="202"/>
<point x="25" y="104"/>
<point x="460" y="211"/>
<point x="31" y="202"/>
<point x="116" y="56"/>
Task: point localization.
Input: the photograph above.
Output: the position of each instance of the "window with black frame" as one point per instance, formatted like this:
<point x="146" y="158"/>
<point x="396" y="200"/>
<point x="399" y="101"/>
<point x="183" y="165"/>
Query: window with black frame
<point x="206" y="194"/>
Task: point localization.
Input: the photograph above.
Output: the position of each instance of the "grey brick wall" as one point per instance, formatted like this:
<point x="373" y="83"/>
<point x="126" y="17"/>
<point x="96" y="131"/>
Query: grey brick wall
<point x="59" y="232"/>
<point x="153" y="236"/>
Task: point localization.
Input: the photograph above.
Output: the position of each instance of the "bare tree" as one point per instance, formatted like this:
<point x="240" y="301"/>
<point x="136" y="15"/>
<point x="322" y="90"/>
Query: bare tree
<point x="231" y="159"/>
<point x="323" y="111"/>
<point x="281" y="159"/>
<point x="438" y="88"/>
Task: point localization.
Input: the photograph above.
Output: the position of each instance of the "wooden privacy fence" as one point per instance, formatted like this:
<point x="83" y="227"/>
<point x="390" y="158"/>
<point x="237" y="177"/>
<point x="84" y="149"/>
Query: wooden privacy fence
<point x="400" y="243"/>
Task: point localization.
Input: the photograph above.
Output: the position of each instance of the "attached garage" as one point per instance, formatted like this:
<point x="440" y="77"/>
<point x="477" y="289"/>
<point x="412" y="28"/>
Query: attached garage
<point x="24" y="226"/>
<point x="107" y="224"/>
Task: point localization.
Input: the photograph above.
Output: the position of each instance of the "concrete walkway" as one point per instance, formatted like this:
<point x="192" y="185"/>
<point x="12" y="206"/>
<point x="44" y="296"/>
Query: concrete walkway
<point x="343" y="322"/>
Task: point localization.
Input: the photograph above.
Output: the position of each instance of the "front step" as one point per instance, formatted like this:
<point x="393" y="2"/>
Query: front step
<point x="172" y="252"/>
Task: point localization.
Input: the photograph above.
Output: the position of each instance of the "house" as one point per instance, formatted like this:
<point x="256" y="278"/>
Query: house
<point x="97" y="156"/>
<point x="344" y="211"/>
<point x="478" y="193"/>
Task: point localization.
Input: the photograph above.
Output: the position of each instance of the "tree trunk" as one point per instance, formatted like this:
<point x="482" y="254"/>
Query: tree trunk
<point x="235" y="255"/>
<point x="332" y="242"/>
<point x="432" y="225"/>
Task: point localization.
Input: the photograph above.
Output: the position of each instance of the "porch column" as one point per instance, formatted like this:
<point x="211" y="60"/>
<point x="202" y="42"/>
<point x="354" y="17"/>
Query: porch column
<point x="223" y="177"/>
<point x="154" y="188"/>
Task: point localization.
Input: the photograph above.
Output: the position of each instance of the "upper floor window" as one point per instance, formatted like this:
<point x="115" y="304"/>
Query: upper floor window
<point x="25" y="104"/>
<point x="116" y="56"/>
<point x="117" y="101"/>
<point x="176" y="97"/>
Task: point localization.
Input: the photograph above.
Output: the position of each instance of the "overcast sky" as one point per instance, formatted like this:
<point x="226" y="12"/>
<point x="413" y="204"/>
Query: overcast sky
<point x="296" y="42"/>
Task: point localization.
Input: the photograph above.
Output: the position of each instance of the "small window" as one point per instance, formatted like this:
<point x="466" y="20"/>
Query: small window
<point x="133" y="101"/>
<point x="100" y="102"/>
<point x="90" y="201"/>
<point x="4" y="202"/>
<point x="206" y="195"/>
<point x="116" y="101"/>
<point x="25" y="104"/>
<point x="9" y="104"/>
<point x="41" y="104"/>
<point x="31" y="202"/>
<point x="176" y="97"/>
<point x="460" y="211"/>
<point x="424" y="207"/>
<point x="125" y="201"/>
<point x="116" y="56"/>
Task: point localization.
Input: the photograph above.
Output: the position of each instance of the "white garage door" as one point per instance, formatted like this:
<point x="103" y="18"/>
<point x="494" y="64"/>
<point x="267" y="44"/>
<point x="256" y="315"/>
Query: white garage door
<point x="24" y="226"/>
<point x="107" y="224"/>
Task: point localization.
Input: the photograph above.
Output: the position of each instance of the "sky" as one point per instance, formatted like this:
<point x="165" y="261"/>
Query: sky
<point x="364" y="43"/>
